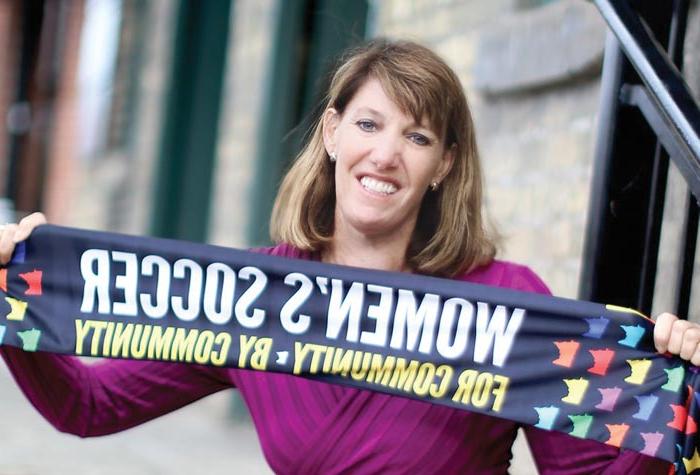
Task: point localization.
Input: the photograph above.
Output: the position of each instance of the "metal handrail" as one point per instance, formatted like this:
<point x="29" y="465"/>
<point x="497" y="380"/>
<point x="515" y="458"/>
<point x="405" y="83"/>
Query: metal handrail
<point x="671" y="96"/>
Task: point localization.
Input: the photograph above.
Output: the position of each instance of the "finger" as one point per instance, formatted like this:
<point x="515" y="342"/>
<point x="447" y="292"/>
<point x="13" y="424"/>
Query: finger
<point x="695" y="359"/>
<point x="7" y="245"/>
<point x="691" y="338"/>
<point x="677" y="332"/>
<point x="662" y="331"/>
<point x="27" y="225"/>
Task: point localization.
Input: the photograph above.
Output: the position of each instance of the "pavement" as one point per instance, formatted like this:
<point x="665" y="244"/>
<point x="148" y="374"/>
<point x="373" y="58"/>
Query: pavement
<point x="200" y="438"/>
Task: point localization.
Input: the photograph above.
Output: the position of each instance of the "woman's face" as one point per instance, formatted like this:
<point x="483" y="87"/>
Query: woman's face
<point x="386" y="163"/>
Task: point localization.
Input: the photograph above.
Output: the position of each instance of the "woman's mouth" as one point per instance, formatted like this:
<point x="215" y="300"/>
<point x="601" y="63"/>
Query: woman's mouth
<point x="378" y="186"/>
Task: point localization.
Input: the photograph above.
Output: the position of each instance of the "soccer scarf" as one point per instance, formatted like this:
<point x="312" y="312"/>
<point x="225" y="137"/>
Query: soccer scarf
<point x="582" y="368"/>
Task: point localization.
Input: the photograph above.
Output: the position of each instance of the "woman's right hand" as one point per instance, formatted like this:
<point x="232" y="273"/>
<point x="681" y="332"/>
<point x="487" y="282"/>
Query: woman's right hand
<point x="11" y="234"/>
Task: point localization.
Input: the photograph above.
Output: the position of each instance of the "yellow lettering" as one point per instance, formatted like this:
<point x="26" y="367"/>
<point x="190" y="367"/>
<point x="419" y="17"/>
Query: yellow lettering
<point x="465" y="384"/>
<point x="500" y="391"/>
<point x="183" y="346"/>
<point x="122" y="337"/>
<point x="81" y="330"/>
<point x="444" y="372"/>
<point x="202" y="349"/>
<point x="246" y="345"/>
<point x="222" y="339"/>
<point x="261" y="353"/>
<point x="160" y="343"/>
<point x="403" y="376"/>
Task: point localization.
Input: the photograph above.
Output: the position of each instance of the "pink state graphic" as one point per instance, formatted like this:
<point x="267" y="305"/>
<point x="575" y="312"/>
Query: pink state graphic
<point x="3" y="280"/>
<point x="609" y="398"/>
<point x="652" y="442"/>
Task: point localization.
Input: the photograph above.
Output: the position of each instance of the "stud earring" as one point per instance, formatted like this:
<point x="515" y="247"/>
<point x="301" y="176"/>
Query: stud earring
<point x="333" y="157"/>
<point x="434" y="186"/>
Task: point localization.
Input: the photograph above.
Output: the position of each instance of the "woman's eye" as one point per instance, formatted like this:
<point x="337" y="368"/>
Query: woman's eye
<point x="419" y="139"/>
<point x="367" y="125"/>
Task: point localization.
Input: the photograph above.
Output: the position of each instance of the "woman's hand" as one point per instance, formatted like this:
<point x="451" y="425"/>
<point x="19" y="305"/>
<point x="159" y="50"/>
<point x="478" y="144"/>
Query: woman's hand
<point x="11" y="234"/>
<point x="678" y="337"/>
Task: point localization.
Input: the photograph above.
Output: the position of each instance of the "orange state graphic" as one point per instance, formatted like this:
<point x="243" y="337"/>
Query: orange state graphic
<point x="567" y="353"/>
<point x="3" y="280"/>
<point x="682" y="421"/>
<point x="617" y="433"/>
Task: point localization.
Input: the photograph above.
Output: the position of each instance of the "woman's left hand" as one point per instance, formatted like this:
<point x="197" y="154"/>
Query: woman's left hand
<point x="678" y="337"/>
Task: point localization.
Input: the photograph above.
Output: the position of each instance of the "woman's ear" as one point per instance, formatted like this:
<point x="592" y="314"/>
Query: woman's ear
<point x="331" y="119"/>
<point x="448" y="159"/>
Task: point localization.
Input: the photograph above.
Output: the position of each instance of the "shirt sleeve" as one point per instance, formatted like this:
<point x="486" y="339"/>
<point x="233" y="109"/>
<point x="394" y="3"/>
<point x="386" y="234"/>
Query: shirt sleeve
<point x="557" y="453"/>
<point x="110" y="395"/>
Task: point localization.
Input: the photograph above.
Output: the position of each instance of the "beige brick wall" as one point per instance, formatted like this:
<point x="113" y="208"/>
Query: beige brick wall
<point x="536" y="144"/>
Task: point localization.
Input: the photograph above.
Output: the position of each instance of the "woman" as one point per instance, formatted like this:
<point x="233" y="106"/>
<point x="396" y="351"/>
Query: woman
<point x="390" y="180"/>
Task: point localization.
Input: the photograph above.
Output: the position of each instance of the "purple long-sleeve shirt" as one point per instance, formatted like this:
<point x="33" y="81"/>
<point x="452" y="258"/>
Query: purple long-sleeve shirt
<point x="313" y="427"/>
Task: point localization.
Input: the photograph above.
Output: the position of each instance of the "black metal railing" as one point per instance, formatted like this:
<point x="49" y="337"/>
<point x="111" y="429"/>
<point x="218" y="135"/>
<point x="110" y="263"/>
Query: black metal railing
<point x="648" y="115"/>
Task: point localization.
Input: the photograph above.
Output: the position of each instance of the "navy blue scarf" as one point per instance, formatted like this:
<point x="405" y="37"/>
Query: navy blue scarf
<point x="585" y="369"/>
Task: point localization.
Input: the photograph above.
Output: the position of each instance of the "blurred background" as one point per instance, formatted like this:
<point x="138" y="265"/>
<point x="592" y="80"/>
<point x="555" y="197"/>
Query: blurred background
<point x="177" y="118"/>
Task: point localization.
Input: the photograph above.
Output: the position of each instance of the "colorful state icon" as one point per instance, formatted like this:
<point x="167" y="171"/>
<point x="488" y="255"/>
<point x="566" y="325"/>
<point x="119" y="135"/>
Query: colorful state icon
<point x="2" y="333"/>
<point x="33" y="280"/>
<point x="567" y="353"/>
<point x="675" y="379"/>
<point x="652" y="442"/>
<point x="601" y="361"/>
<point x="609" y="398"/>
<point x="582" y="423"/>
<point x="639" y="368"/>
<point x="691" y="427"/>
<point x="20" y="253"/>
<point x="3" y="280"/>
<point x="646" y="406"/>
<point x="30" y="339"/>
<point x="17" y="309"/>
<point x="546" y="416"/>
<point x="692" y="463"/>
<point x="680" y="417"/>
<point x="576" y="390"/>
<point x="633" y="335"/>
<point x="617" y="433"/>
<point x="596" y="327"/>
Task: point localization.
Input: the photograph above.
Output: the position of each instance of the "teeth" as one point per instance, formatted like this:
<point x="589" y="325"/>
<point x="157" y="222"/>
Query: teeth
<point x="378" y="186"/>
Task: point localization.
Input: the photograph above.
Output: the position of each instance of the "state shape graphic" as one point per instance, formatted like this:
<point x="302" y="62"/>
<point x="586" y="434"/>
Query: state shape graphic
<point x="576" y="390"/>
<point x="30" y="339"/>
<point x="647" y="404"/>
<point x="596" y="327"/>
<point x="567" y="353"/>
<point x="582" y="423"/>
<point x="652" y="442"/>
<point x="2" y="333"/>
<point x="633" y="335"/>
<point x="675" y="379"/>
<point x="17" y="309"/>
<point x="692" y="463"/>
<point x="546" y="416"/>
<point x="682" y="421"/>
<point x="33" y="280"/>
<point x="617" y="433"/>
<point x="601" y="361"/>
<point x="3" y="280"/>
<point x="639" y="368"/>
<point x="609" y="398"/>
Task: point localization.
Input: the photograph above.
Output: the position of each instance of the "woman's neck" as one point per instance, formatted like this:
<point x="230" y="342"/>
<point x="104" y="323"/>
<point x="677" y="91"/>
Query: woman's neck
<point x="357" y="250"/>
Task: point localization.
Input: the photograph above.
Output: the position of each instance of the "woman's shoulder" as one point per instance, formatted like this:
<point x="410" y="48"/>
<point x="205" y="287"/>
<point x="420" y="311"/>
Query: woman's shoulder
<point x="506" y="274"/>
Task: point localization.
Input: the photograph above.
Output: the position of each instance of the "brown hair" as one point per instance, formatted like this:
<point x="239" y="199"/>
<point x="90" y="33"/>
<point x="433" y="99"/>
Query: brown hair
<point x="451" y="235"/>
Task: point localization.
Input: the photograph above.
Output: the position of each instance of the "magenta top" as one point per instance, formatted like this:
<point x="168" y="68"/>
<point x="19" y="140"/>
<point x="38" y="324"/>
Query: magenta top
<point x="313" y="427"/>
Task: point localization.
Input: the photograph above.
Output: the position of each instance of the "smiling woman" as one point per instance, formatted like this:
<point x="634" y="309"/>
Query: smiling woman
<point x="389" y="180"/>
<point x="391" y="168"/>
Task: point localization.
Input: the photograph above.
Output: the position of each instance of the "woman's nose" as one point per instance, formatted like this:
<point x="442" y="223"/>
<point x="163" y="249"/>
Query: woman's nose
<point x="386" y="153"/>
